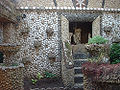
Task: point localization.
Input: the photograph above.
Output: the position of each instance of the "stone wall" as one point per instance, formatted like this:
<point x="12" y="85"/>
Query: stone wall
<point x="95" y="3"/>
<point x="35" y="3"/>
<point x="112" y="4"/>
<point x="110" y="26"/>
<point x="67" y="59"/>
<point x="64" y="3"/>
<point x="7" y="11"/>
<point x="39" y="37"/>
<point x="11" y="78"/>
<point x="1" y="32"/>
<point x="9" y="33"/>
<point x="96" y="26"/>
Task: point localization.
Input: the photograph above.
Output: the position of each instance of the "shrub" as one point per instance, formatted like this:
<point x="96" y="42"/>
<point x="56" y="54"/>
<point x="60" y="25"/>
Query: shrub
<point x="115" y="53"/>
<point x="49" y="75"/>
<point x="97" y="40"/>
<point x="34" y="81"/>
<point x="39" y="76"/>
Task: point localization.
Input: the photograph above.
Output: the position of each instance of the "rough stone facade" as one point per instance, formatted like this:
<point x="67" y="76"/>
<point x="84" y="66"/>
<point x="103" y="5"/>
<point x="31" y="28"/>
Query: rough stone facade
<point x="95" y="3"/>
<point x="11" y="78"/>
<point x="41" y="32"/>
<point x="110" y="26"/>
<point x="112" y="4"/>
<point x="35" y="3"/>
<point x="67" y="59"/>
<point x="40" y="35"/>
<point x="41" y="43"/>
<point x="64" y="3"/>
<point x="7" y="11"/>
<point x="96" y="26"/>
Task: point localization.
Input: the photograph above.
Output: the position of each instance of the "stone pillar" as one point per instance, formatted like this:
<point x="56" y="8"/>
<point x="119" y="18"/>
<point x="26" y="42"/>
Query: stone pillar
<point x="67" y="60"/>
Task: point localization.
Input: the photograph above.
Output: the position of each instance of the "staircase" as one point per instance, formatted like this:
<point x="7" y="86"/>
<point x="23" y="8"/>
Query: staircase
<point x="80" y="56"/>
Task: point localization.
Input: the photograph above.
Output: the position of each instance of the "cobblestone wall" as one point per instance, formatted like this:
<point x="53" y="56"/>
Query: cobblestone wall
<point x="94" y="3"/>
<point x="64" y="3"/>
<point x="35" y="3"/>
<point x="39" y="37"/>
<point x="11" y="78"/>
<point x="112" y="4"/>
<point x="110" y="26"/>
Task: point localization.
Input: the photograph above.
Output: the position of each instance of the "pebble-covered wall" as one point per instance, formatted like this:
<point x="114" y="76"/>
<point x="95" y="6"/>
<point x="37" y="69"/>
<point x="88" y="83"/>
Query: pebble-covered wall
<point x="39" y="37"/>
<point x="110" y="26"/>
<point x="39" y="33"/>
<point x="11" y="78"/>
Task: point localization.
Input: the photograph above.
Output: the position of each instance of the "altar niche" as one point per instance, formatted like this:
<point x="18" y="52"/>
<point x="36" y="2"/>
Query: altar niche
<point x="80" y="32"/>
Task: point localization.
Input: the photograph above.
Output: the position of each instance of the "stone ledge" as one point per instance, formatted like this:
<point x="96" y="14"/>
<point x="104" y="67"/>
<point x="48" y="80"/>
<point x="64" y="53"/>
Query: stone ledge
<point x="12" y="67"/>
<point x="71" y="8"/>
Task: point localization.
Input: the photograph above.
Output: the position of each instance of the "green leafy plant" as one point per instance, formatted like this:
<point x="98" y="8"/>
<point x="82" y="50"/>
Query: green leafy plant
<point x="115" y="53"/>
<point x="97" y="40"/>
<point x="67" y="45"/>
<point x="50" y="75"/>
<point x="39" y="76"/>
<point x="34" y="81"/>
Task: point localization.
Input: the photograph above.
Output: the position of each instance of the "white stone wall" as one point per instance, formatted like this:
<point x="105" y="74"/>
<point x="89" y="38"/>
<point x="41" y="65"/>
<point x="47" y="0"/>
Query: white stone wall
<point x="38" y="23"/>
<point x="110" y="26"/>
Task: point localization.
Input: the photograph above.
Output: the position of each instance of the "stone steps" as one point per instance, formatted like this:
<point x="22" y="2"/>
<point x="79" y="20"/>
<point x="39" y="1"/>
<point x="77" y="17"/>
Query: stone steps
<point x="79" y="62"/>
<point x="77" y="70"/>
<point x="80" y="86"/>
<point x="80" y="56"/>
<point x="78" y="76"/>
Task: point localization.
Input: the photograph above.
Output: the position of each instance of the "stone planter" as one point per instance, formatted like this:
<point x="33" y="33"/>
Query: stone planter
<point x="97" y="76"/>
<point x="99" y="51"/>
<point x="9" y="50"/>
<point x="11" y="78"/>
<point x="11" y="73"/>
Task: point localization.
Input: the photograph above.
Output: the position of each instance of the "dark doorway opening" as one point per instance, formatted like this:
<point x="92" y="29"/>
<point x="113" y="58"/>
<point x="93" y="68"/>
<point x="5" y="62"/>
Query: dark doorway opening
<point x="80" y="32"/>
<point x="1" y="57"/>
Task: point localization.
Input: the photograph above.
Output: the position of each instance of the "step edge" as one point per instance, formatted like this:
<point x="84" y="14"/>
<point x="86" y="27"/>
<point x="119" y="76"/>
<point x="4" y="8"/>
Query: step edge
<point x="78" y="75"/>
<point x="77" y="68"/>
<point x="80" y="60"/>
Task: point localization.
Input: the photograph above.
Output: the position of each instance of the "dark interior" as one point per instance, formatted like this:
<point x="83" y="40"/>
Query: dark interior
<point x="86" y="28"/>
<point x="1" y="57"/>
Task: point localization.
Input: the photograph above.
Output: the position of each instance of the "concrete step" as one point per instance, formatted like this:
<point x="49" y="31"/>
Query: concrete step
<point x="77" y="70"/>
<point x="78" y="78"/>
<point x="80" y="86"/>
<point x="80" y="56"/>
<point x="79" y="62"/>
